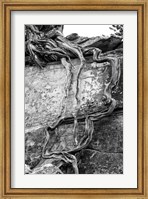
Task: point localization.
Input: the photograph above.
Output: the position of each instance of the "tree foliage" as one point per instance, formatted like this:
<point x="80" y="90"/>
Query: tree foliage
<point x="118" y="30"/>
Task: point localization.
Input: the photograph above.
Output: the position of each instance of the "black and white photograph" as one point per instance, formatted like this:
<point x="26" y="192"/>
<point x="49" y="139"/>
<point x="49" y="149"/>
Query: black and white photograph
<point x="73" y="99"/>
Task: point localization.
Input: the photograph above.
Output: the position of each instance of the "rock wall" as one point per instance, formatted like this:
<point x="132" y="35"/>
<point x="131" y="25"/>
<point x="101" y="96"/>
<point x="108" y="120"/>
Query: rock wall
<point x="44" y="93"/>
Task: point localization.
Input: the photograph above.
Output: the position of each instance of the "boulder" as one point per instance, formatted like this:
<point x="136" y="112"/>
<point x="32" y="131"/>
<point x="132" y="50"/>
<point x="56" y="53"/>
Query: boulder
<point x="45" y="93"/>
<point x="108" y="134"/>
<point x="94" y="162"/>
<point x="104" y="43"/>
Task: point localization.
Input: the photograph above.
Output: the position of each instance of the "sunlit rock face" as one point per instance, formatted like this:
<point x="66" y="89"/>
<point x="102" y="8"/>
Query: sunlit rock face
<point x="45" y="93"/>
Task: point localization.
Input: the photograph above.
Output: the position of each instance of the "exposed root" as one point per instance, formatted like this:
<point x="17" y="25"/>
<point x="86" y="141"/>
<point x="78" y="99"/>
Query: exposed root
<point x="53" y="45"/>
<point x="56" y="155"/>
<point x="85" y="140"/>
<point x="64" y="156"/>
<point x="75" y="130"/>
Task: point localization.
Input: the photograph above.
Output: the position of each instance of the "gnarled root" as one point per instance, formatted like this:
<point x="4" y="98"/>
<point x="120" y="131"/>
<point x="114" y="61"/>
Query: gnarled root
<point x="67" y="157"/>
<point x="85" y="140"/>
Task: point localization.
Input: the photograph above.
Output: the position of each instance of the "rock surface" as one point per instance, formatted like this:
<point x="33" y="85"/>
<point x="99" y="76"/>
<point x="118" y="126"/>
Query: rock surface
<point x="94" y="162"/>
<point x="106" y="146"/>
<point x="34" y="142"/>
<point x="45" y="92"/>
<point x="103" y="43"/>
<point x="108" y="134"/>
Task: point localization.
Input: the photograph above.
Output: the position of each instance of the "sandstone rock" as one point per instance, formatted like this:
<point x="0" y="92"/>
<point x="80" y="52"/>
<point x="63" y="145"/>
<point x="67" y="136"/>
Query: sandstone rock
<point x="94" y="162"/>
<point x="107" y="138"/>
<point x="34" y="142"/>
<point x="101" y="42"/>
<point x="60" y="141"/>
<point x="107" y="44"/>
<point x="72" y="36"/>
<point x="108" y="134"/>
<point x="45" y="92"/>
<point x="46" y="167"/>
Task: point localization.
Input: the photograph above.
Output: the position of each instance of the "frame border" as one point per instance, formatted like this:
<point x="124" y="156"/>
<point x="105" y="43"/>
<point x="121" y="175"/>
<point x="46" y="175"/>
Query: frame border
<point x="5" y="98"/>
